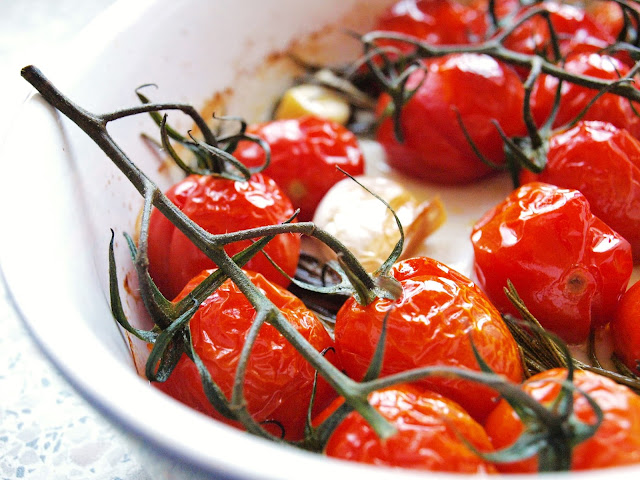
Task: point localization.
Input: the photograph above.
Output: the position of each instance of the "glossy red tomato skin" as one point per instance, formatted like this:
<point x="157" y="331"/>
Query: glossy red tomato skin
<point x="615" y="443"/>
<point x="567" y="265"/>
<point x="278" y="381"/>
<point x="437" y="22"/>
<point x="305" y="154"/>
<point x="603" y="162"/>
<point x="609" y="107"/>
<point x="430" y="324"/>
<point x="576" y="29"/>
<point x="434" y="147"/>
<point x="625" y="329"/>
<point x="429" y="429"/>
<point x="220" y="206"/>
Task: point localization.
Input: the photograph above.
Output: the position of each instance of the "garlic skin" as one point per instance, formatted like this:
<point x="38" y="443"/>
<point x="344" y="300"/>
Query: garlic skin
<point x="308" y="99"/>
<point x="367" y="227"/>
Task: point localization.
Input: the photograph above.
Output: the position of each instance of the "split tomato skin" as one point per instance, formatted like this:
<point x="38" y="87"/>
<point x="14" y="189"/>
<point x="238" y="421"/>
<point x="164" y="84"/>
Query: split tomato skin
<point x="433" y="323"/>
<point x="603" y="162"/>
<point x="220" y="206"/>
<point x="428" y="438"/>
<point x="608" y="108"/>
<point x="278" y="381"/>
<point x="568" y="266"/>
<point x="434" y="147"/>
<point x="625" y="329"/>
<point x="305" y="155"/>
<point x="615" y="443"/>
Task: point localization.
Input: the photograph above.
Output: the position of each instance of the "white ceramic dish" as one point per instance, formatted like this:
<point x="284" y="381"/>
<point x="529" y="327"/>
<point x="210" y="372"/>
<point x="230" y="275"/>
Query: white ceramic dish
<point x="60" y="196"/>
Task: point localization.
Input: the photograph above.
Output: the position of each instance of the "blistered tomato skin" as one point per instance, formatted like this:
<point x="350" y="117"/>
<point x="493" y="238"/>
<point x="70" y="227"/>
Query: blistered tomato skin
<point x="568" y="266"/>
<point x="278" y="382"/>
<point x="625" y="329"/>
<point x="434" y="146"/>
<point x="220" y="206"/>
<point x="305" y="154"/>
<point x="609" y="107"/>
<point x="603" y="162"/>
<point x="431" y="324"/>
<point x="429" y="430"/>
<point x="615" y="443"/>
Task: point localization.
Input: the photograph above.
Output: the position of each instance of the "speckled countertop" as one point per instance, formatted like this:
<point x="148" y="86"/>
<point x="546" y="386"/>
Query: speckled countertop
<point x="47" y="431"/>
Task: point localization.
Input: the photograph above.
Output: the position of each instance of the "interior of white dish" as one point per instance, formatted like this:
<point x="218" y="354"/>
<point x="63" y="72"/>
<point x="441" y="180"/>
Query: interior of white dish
<point x="72" y="196"/>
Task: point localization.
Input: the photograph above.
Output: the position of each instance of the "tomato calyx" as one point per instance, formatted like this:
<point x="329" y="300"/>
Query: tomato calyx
<point x="214" y="154"/>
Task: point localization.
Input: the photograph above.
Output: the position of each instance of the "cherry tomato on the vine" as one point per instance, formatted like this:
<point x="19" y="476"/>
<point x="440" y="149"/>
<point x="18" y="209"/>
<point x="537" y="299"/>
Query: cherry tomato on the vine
<point x="603" y="162"/>
<point x="567" y="265"/>
<point x="478" y="88"/>
<point x="434" y="322"/>
<point x="575" y="28"/>
<point x="430" y="428"/>
<point x="625" y="329"/>
<point x="609" y="107"/>
<point x="278" y="381"/>
<point x="220" y="206"/>
<point x="437" y="22"/>
<point x="616" y="442"/>
<point x="305" y="154"/>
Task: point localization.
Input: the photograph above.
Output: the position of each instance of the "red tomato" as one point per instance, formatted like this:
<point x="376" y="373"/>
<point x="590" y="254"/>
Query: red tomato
<point x="278" y="381"/>
<point x="568" y="266"/>
<point x="603" y="162"/>
<point x="625" y="329"/>
<point x="617" y="440"/>
<point x="576" y="30"/>
<point x="434" y="146"/>
<point x="609" y="107"/>
<point x="437" y="22"/>
<point x="608" y="14"/>
<point x="304" y="155"/>
<point x="428" y="438"/>
<point x="431" y="324"/>
<point x="220" y="206"/>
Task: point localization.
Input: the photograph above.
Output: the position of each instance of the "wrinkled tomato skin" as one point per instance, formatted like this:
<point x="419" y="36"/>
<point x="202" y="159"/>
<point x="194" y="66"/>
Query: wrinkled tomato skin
<point x="434" y="147"/>
<point x="431" y="324"/>
<point x="603" y="162"/>
<point x="568" y="266"/>
<point x="437" y="22"/>
<point x="576" y="30"/>
<point x="278" y="381"/>
<point x="625" y="329"/>
<point x="609" y="107"/>
<point x="220" y="206"/>
<point x="615" y="443"/>
<point x="428" y="438"/>
<point x="305" y="156"/>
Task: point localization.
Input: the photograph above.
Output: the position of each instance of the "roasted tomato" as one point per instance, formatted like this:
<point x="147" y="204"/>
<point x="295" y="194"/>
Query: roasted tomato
<point x="278" y="381"/>
<point x="305" y="154"/>
<point x="430" y="428"/>
<point x="437" y="22"/>
<point x="220" y="206"/>
<point x="625" y="329"/>
<point x="617" y="440"/>
<point x="575" y="28"/>
<point x="434" y="147"/>
<point x="603" y="162"/>
<point x="609" y="107"/>
<point x="567" y="265"/>
<point x="433" y="323"/>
